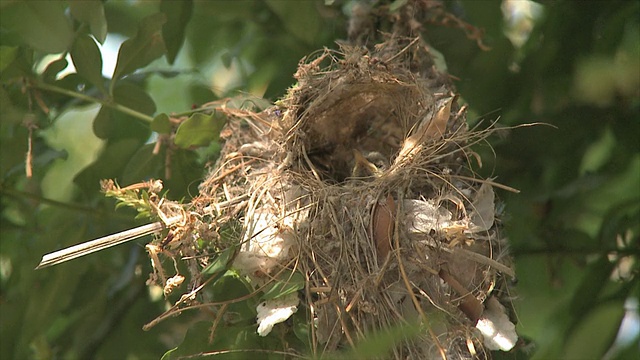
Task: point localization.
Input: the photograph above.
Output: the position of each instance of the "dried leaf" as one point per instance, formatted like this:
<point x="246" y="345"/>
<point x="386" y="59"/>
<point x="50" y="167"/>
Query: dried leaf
<point x="383" y="221"/>
<point x="438" y="125"/>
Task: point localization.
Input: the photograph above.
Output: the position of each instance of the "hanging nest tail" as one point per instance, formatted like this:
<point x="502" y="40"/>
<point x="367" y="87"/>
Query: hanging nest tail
<point x="356" y="189"/>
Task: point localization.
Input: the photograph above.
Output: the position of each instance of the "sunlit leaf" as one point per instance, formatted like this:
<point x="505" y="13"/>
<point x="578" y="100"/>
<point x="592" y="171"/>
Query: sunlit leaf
<point x="287" y="283"/>
<point x="41" y="24"/>
<point x="88" y="60"/>
<point x="178" y="15"/>
<point x="199" y="130"/>
<point x="143" y="48"/>
<point x="91" y="12"/>
<point x="221" y="262"/>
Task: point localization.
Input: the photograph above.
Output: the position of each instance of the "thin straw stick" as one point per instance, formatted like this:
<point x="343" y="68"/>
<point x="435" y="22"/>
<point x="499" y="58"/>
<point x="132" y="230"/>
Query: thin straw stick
<point x="105" y="242"/>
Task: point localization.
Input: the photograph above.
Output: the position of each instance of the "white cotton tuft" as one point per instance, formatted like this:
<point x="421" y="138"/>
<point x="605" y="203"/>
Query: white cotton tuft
<point x="499" y="333"/>
<point x="274" y="311"/>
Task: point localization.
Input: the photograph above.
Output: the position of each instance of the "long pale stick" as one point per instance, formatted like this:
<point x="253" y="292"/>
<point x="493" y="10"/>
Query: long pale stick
<point x="102" y="243"/>
<point x="105" y="242"/>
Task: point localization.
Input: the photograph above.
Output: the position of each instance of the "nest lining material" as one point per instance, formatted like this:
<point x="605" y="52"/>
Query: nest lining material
<point x="359" y="179"/>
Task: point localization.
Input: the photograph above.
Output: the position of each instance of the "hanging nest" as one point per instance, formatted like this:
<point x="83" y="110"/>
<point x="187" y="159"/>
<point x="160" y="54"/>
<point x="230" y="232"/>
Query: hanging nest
<point x="355" y="197"/>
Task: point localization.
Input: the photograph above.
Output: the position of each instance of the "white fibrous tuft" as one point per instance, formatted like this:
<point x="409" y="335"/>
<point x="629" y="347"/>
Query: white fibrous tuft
<point x="269" y="236"/>
<point x="425" y="215"/>
<point x="267" y="245"/>
<point x="499" y="333"/>
<point x="274" y="311"/>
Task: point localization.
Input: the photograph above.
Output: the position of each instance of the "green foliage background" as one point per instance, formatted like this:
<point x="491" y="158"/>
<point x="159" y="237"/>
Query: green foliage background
<point x="573" y="228"/>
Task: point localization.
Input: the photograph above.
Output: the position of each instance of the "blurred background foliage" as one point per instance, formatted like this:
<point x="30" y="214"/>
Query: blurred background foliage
<point x="574" y="228"/>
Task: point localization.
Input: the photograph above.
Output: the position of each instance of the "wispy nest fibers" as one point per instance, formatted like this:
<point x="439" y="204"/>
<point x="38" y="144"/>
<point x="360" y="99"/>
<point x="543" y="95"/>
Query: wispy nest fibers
<point x="359" y="181"/>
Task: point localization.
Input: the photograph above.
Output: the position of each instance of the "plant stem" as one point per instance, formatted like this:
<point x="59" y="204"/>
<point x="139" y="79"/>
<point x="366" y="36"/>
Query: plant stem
<point x="123" y="109"/>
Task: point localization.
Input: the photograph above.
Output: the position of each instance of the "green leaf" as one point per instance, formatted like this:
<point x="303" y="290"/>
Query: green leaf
<point x="134" y="97"/>
<point x="587" y="295"/>
<point x="109" y="165"/>
<point x="102" y="123"/>
<point x="221" y="262"/>
<point x="20" y="65"/>
<point x="92" y="13"/>
<point x="178" y="15"/>
<point x="53" y="69"/>
<point x="196" y="340"/>
<point x="161" y="124"/>
<point x="113" y="123"/>
<point x="380" y="343"/>
<point x="397" y="5"/>
<point x="232" y="287"/>
<point x="88" y="60"/>
<point x="42" y="25"/>
<point x="72" y="82"/>
<point x="302" y="327"/>
<point x="143" y="48"/>
<point x="595" y="333"/>
<point x="144" y="164"/>
<point x="7" y="55"/>
<point x="199" y="130"/>
<point x="287" y="283"/>
<point x="226" y="339"/>
<point x="185" y="173"/>
<point x="301" y="21"/>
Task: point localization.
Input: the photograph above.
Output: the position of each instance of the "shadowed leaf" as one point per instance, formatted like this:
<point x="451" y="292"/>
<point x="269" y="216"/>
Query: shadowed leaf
<point x="41" y="24"/>
<point x="88" y="60"/>
<point x="178" y="15"/>
<point x="143" y="48"/>
<point x="91" y="12"/>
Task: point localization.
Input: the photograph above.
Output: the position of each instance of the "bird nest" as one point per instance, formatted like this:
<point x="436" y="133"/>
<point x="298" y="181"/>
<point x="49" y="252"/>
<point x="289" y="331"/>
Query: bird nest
<point x="353" y="199"/>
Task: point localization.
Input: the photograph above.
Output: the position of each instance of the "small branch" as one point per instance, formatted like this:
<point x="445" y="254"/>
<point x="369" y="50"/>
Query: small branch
<point x="123" y="109"/>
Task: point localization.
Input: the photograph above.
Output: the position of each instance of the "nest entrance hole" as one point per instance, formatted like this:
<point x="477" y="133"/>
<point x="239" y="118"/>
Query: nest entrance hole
<point x="360" y="132"/>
